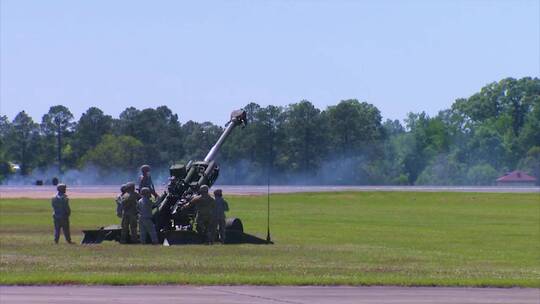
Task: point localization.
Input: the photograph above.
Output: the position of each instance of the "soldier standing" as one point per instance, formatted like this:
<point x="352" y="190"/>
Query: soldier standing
<point x="145" y="180"/>
<point x="129" y="214"/>
<point x="119" y="201"/>
<point x="146" y="226"/>
<point x="61" y="213"/>
<point x="205" y="205"/>
<point x="219" y="214"/>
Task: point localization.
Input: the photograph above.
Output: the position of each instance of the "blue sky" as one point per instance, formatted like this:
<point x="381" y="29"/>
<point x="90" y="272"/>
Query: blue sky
<point x="204" y="58"/>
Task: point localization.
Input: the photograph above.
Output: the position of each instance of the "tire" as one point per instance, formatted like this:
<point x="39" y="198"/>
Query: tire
<point x="234" y="224"/>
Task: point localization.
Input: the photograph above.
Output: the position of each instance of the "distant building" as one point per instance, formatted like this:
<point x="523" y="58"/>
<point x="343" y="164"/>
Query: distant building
<point x="516" y="178"/>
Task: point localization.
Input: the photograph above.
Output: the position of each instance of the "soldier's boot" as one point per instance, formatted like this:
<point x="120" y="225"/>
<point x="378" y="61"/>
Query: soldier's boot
<point x="134" y="230"/>
<point x="56" y="231"/>
<point x="67" y="233"/>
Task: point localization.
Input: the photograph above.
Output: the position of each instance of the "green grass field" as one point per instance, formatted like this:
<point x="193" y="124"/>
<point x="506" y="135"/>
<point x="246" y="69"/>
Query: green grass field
<point x="366" y="238"/>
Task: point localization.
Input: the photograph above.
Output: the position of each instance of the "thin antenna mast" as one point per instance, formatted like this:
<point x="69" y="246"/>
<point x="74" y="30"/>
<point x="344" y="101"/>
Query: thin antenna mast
<point x="268" y="238"/>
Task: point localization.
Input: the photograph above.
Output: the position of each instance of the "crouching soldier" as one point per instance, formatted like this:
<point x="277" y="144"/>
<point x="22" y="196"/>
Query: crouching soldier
<point x="146" y="226"/>
<point x="61" y="213"/>
<point x="129" y="214"/>
<point x="205" y="205"/>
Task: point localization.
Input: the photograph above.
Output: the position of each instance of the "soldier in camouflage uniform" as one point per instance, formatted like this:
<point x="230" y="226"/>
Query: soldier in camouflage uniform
<point x="61" y="213"/>
<point x="219" y="214"/>
<point x="129" y="214"/>
<point x="146" y="225"/>
<point x="119" y="201"/>
<point x="205" y="205"/>
<point x="145" y="180"/>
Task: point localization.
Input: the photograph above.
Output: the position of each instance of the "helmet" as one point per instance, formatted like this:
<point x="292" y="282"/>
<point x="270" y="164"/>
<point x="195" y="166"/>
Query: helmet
<point x="61" y="187"/>
<point x="203" y="189"/>
<point x="145" y="168"/>
<point x="130" y="186"/>
<point x="218" y="192"/>
<point x="123" y="188"/>
<point x="145" y="191"/>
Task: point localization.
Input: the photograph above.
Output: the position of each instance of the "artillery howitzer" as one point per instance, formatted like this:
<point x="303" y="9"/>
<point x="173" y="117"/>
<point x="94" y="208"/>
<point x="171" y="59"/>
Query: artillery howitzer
<point x="174" y="224"/>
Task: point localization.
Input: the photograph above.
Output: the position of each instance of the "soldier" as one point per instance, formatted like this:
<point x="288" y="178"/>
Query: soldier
<point x="146" y="226"/>
<point x="205" y="205"/>
<point x="61" y="213"/>
<point x="145" y="180"/>
<point x="219" y="214"/>
<point x="119" y="201"/>
<point x="129" y="214"/>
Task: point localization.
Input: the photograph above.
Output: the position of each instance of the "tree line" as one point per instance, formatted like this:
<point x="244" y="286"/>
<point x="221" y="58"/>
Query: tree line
<point x="473" y="142"/>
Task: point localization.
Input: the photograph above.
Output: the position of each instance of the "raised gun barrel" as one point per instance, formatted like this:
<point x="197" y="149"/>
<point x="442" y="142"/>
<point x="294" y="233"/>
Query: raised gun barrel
<point x="186" y="180"/>
<point x="238" y="117"/>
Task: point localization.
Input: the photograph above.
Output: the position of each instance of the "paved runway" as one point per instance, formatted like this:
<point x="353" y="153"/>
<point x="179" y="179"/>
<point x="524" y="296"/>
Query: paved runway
<point x="108" y="191"/>
<point x="264" y="294"/>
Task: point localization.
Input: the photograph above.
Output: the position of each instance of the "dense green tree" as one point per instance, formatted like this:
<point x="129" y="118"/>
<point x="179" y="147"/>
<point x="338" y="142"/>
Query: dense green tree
<point x="393" y="128"/>
<point x="478" y="138"/>
<point x="388" y="169"/>
<point x="58" y="122"/>
<point x="23" y="139"/>
<point x="355" y="127"/>
<point x="355" y="141"/>
<point x="531" y="163"/>
<point x="429" y="138"/>
<point x="127" y="122"/>
<point x="158" y="129"/>
<point x="418" y="153"/>
<point x="482" y="174"/>
<point x="442" y="170"/>
<point x="171" y="137"/>
<point x="261" y="140"/>
<point x="242" y="146"/>
<point x="89" y="130"/>
<point x="508" y="108"/>
<point x="251" y="110"/>
<point x="270" y="137"/>
<point x="487" y="146"/>
<point x="5" y="164"/>
<point x="509" y="98"/>
<point x="115" y="153"/>
<point x="305" y="130"/>
<point x="200" y="137"/>
<point x="530" y="134"/>
<point x="5" y="127"/>
<point x="256" y="152"/>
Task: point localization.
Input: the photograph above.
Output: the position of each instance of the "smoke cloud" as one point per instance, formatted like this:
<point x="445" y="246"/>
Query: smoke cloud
<point x="89" y="175"/>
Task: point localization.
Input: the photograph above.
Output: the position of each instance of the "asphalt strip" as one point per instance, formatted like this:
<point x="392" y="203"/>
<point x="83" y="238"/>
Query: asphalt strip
<point x="265" y="294"/>
<point x="108" y="191"/>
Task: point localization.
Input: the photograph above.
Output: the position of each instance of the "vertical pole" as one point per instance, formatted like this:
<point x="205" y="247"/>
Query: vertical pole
<point x="271" y="141"/>
<point x="268" y="238"/>
<point x="59" y="149"/>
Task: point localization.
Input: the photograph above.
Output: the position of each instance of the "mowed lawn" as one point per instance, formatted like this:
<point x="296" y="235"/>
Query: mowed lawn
<point x="351" y="238"/>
